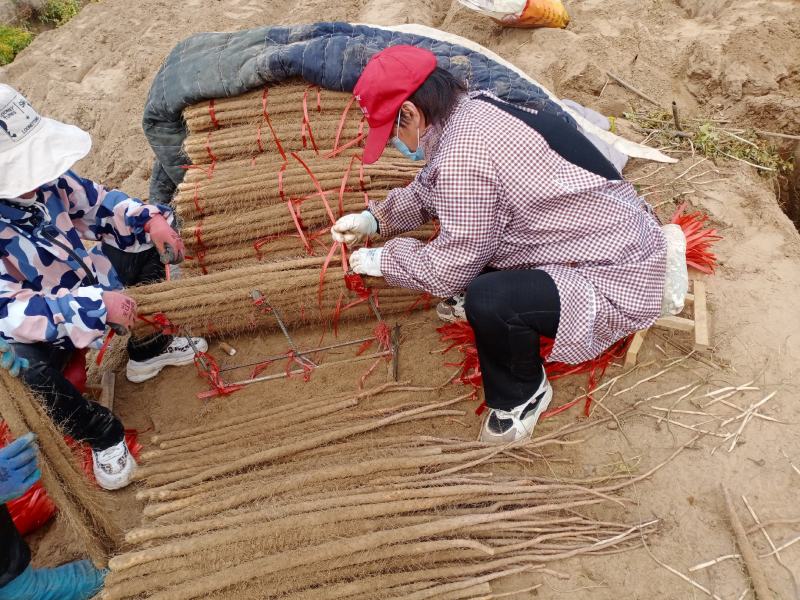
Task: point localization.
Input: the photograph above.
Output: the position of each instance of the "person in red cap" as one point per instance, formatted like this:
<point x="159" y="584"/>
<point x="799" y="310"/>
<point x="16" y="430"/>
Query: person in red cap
<point x="539" y="233"/>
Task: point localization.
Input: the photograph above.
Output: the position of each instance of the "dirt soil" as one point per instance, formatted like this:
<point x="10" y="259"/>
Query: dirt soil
<point x="737" y="60"/>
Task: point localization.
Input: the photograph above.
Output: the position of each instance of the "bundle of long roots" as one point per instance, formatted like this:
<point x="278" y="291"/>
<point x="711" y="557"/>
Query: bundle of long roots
<point x="223" y="303"/>
<point x="272" y="170"/>
<point x="331" y="499"/>
<point x="84" y="509"/>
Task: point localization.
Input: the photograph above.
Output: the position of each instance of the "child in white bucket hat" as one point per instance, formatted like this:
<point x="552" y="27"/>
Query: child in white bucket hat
<point x="56" y="297"/>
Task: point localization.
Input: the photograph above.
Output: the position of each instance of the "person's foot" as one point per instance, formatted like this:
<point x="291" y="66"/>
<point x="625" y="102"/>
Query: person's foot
<point x="451" y="309"/>
<point x="113" y="467"/>
<point x="78" y="580"/>
<point x="178" y="353"/>
<point x="501" y="426"/>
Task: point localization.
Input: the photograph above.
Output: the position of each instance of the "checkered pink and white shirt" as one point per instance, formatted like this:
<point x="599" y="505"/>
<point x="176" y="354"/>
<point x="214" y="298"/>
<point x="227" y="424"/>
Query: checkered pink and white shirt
<point x="506" y="200"/>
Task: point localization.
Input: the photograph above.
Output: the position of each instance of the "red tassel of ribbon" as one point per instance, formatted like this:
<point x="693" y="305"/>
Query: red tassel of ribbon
<point x="699" y="239"/>
<point x="460" y="336"/>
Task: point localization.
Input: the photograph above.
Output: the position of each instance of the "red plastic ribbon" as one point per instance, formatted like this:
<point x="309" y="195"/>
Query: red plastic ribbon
<point x="290" y="206"/>
<point x="306" y="126"/>
<point x="104" y="347"/>
<point x="209" y="151"/>
<point x="294" y="358"/>
<point x="335" y="246"/>
<point x="355" y="283"/>
<point x="317" y="186"/>
<point x="160" y="323"/>
<point x="344" y="185"/>
<point x="269" y="123"/>
<point x="369" y="372"/>
<point x="213" y="114"/>
<point x="210" y="372"/>
<point x="34" y="508"/>
<point x="699" y="239"/>
<point x="337" y="149"/>
<point x="424" y="299"/>
<point x="461" y="336"/>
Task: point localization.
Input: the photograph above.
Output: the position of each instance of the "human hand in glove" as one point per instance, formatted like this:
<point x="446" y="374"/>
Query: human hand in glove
<point x="353" y="228"/>
<point x="18" y="468"/>
<point x="167" y="241"/>
<point x="120" y="311"/>
<point x="9" y="359"/>
<point x="78" y="580"/>
<point x="367" y="261"/>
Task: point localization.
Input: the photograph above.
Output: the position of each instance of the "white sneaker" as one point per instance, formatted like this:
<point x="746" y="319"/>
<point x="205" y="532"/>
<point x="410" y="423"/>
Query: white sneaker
<point x="452" y="309"/>
<point x="113" y="467"/>
<point x="178" y="353"/>
<point x="502" y="427"/>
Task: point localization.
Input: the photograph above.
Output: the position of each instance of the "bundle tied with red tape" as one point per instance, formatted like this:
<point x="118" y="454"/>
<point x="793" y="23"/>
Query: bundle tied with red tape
<point x="271" y="171"/>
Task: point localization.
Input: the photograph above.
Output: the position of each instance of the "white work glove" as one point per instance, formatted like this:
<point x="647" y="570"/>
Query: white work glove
<point x="353" y="228"/>
<point x="367" y="261"/>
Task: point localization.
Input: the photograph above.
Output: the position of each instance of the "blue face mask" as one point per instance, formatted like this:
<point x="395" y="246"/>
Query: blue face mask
<point x="418" y="154"/>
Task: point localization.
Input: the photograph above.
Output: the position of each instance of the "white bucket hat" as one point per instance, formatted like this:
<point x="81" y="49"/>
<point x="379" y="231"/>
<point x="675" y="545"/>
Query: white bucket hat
<point x="34" y="149"/>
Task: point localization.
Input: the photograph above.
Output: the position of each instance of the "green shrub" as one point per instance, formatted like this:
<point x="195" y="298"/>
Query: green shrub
<point x="12" y="41"/>
<point x="58" y="12"/>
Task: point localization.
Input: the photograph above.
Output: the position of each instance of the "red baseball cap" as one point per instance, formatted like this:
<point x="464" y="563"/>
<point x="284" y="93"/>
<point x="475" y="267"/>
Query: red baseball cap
<point x="389" y="79"/>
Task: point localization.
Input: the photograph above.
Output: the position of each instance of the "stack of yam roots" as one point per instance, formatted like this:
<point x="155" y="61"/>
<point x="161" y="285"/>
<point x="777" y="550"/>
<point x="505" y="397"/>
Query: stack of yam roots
<point x="342" y="497"/>
<point x="271" y="171"/>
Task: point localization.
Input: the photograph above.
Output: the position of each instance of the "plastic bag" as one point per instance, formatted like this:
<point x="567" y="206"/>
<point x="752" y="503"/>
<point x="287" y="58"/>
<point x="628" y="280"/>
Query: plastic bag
<point x="676" y="284"/>
<point x="522" y="13"/>
<point x="34" y="508"/>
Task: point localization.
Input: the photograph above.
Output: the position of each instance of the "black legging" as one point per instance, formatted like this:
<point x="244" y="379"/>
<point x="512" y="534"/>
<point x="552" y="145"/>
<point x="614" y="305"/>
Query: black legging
<point x="509" y="310"/>
<point x="15" y="556"/>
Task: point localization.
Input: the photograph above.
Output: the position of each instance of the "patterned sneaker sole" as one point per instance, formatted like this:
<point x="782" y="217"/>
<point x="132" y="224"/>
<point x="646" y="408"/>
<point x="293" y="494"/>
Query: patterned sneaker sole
<point x="532" y="419"/>
<point x="447" y="315"/>
<point x="121" y="480"/>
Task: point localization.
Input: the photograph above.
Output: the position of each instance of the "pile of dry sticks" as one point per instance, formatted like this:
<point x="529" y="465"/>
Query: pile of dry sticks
<point x="335" y="499"/>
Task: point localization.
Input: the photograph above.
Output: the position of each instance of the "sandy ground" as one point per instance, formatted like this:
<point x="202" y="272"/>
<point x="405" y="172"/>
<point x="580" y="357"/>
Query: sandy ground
<point x="740" y="60"/>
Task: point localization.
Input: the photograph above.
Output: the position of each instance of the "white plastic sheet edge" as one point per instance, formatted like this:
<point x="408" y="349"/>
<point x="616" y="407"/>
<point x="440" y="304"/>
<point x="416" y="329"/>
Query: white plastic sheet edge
<point x="620" y="144"/>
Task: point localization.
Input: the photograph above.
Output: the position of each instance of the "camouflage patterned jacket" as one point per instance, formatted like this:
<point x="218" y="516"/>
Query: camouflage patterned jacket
<point x="51" y="285"/>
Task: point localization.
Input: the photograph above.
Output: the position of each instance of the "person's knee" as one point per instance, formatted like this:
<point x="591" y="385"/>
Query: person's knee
<point x="482" y="298"/>
<point x="38" y="375"/>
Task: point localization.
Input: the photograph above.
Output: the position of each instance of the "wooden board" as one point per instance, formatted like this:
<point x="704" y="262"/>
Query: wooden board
<point x="697" y="326"/>
<point x="107" y="385"/>
<point x="633" y="350"/>
<point x="679" y="323"/>
<point x="701" y="334"/>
